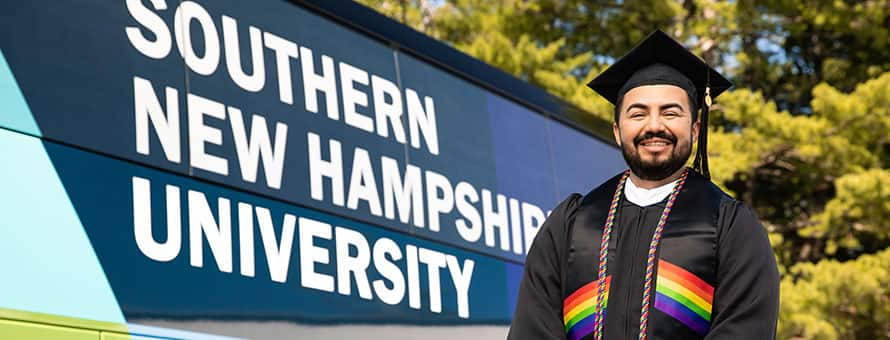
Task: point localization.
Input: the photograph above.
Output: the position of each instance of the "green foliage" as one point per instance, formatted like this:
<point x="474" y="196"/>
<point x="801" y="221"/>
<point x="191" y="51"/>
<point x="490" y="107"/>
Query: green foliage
<point x="858" y="213"/>
<point x="837" y="300"/>
<point x="838" y="42"/>
<point x="803" y="138"/>
<point x="804" y="173"/>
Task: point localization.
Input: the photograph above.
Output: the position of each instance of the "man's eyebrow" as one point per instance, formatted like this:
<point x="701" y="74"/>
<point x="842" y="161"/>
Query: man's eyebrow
<point x="671" y="106"/>
<point x="637" y="106"/>
<point x="660" y="108"/>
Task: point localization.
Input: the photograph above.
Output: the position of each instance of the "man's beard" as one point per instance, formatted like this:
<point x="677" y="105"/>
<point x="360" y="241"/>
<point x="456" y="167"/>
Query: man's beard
<point x="656" y="170"/>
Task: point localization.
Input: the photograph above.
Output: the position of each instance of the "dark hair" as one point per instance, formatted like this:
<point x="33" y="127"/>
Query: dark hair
<point x="692" y="107"/>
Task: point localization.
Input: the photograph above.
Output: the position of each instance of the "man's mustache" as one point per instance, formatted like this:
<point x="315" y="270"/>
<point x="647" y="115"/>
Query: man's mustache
<point x="657" y="134"/>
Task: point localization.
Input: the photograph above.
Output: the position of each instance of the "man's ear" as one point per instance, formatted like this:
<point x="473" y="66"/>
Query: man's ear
<point x="695" y="127"/>
<point x="617" y="133"/>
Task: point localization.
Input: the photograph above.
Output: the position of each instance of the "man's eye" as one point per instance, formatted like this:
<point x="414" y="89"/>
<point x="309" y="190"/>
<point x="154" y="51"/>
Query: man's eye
<point x="636" y="114"/>
<point x="671" y="114"/>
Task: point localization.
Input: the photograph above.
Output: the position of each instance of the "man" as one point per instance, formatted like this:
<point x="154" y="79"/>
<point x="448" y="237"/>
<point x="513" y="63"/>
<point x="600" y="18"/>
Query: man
<point x="658" y="251"/>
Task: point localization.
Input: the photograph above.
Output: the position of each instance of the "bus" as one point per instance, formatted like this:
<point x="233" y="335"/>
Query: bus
<point x="265" y="170"/>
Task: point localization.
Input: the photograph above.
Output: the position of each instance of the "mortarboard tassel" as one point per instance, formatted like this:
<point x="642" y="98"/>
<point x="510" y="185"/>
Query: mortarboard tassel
<point x="701" y="155"/>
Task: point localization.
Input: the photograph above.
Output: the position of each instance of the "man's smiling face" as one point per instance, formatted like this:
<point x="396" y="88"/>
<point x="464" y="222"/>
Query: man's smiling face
<point x="655" y="130"/>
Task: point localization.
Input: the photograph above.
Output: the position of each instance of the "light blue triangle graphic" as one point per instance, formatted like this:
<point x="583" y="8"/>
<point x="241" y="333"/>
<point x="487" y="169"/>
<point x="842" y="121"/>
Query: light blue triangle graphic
<point x="14" y="111"/>
<point x="47" y="264"/>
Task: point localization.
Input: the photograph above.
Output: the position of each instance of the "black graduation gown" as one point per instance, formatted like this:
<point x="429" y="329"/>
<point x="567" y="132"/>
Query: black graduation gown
<point x="717" y="277"/>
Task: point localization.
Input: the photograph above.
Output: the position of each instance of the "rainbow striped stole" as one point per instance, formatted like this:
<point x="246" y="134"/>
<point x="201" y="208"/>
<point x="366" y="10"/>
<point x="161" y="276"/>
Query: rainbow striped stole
<point x="579" y="309"/>
<point x="684" y="296"/>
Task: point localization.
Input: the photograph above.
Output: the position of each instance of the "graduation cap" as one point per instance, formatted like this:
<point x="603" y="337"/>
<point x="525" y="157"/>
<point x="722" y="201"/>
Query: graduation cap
<point x="661" y="60"/>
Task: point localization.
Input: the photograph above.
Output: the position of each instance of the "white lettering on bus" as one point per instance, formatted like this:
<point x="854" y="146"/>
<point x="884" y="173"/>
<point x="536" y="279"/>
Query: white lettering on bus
<point x="333" y="259"/>
<point x="355" y="83"/>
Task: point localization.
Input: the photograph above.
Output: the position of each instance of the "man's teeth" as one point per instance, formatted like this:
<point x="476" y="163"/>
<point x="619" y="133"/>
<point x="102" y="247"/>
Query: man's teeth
<point x="655" y="144"/>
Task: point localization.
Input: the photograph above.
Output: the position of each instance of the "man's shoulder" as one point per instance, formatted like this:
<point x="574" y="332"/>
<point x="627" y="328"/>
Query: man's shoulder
<point x="714" y="192"/>
<point x="733" y="213"/>
<point x="565" y="209"/>
<point x="604" y="191"/>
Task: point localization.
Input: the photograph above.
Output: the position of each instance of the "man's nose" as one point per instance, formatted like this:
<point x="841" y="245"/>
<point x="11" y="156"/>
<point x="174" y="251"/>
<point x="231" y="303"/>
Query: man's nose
<point x="654" y="123"/>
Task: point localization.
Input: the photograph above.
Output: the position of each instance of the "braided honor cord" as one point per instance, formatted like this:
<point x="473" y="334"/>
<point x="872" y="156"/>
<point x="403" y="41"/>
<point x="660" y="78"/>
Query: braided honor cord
<point x="650" y="260"/>
<point x="604" y="254"/>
